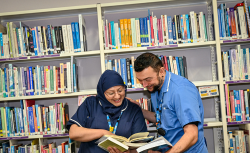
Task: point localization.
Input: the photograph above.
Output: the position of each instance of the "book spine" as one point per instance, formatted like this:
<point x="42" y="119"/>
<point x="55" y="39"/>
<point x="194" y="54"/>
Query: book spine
<point x="170" y="31"/>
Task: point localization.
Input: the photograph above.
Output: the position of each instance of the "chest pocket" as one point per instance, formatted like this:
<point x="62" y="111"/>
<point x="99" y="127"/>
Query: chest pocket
<point x="89" y="122"/>
<point x="168" y="117"/>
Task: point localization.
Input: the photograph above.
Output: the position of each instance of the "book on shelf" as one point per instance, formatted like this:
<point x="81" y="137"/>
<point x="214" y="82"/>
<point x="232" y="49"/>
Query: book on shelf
<point x="150" y="31"/>
<point x="42" y="40"/>
<point x="123" y="143"/>
<point x="39" y="80"/>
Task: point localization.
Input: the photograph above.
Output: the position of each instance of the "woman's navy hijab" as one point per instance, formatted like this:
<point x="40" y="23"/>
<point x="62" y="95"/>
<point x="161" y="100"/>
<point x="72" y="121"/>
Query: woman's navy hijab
<point x="107" y="80"/>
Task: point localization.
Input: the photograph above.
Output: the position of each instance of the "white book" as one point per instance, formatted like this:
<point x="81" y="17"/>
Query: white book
<point x="48" y="79"/>
<point x="39" y="80"/>
<point x="166" y="26"/>
<point x="226" y="68"/>
<point x="237" y="64"/>
<point x="59" y="149"/>
<point x="68" y="77"/>
<point x="16" y="79"/>
<point x="202" y="39"/>
<point x="70" y="39"/>
<point x="242" y="20"/>
<point x="176" y="29"/>
<point x="149" y="33"/>
<point x="54" y="74"/>
<point x="25" y="118"/>
<point x="119" y="66"/>
<point x="35" y="82"/>
<point x="51" y="118"/>
<point x="237" y="25"/>
<point x="138" y="36"/>
<point x="133" y="28"/>
<point x="248" y="62"/>
<point x="21" y="42"/>
<point x="41" y="51"/>
<point x="233" y="54"/>
<point x="82" y="32"/>
<point x="54" y="117"/>
<point x="65" y="38"/>
<point x="155" y="31"/>
<point x="193" y="26"/>
<point x="6" y="46"/>
<point x="40" y="120"/>
<point x="116" y="65"/>
<point x="240" y="62"/>
<point x="12" y="26"/>
<point x="117" y="40"/>
<point x="175" y="67"/>
<point x="171" y="64"/>
<point x="16" y="45"/>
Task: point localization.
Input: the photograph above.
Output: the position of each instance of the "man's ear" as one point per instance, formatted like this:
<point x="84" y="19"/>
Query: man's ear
<point x="162" y="71"/>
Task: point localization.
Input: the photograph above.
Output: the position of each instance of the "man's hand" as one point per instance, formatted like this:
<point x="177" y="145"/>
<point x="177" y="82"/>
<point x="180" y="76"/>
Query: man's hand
<point x="133" y="101"/>
<point x="106" y="132"/>
<point x="115" y="150"/>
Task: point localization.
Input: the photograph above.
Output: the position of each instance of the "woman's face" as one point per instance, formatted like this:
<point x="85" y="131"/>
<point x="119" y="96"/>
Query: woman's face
<point x="115" y="95"/>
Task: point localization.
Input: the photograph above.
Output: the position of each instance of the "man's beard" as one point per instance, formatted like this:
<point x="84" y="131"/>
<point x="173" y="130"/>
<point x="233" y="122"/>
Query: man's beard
<point x="156" y="87"/>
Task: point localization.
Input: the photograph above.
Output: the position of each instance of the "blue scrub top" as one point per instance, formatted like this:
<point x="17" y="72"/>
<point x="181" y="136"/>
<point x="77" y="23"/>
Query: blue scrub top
<point x="181" y="105"/>
<point x="90" y="115"/>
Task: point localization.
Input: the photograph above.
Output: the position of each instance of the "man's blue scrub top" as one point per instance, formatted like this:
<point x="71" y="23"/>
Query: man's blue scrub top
<point x="181" y="105"/>
<point x="90" y="115"/>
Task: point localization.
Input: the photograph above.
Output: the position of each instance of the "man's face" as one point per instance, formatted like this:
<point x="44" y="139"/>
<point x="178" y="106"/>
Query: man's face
<point x="149" y="79"/>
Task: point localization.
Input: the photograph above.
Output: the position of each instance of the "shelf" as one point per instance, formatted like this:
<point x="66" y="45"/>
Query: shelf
<point x="42" y="57"/>
<point x="236" y="81"/>
<point x="239" y="122"/>
<point x="234" y="41"/>
<point x="212" y="124"/>
<point x="84" y="92"/>
<point x="205" y="83"/>
<point x="34" y="136"/>
<point x="173" y="46"/>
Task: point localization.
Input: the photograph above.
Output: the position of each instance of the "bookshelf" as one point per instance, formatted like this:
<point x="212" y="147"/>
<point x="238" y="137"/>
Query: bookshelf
<point x="198" y="54"/>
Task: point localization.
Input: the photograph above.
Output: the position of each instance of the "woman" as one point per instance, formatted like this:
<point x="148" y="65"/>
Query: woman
<point x="107" y="113"/>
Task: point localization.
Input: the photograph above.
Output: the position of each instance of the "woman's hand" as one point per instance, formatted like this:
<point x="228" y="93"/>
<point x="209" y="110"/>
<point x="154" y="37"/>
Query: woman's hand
<point x="115" y="150"/>
<point x="133" y="101"/>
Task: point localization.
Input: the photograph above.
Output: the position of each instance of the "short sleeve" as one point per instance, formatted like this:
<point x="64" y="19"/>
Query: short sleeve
<point x="186" y="104"/>
<point x="139" y="124"/>
<point x="80" y="116"/>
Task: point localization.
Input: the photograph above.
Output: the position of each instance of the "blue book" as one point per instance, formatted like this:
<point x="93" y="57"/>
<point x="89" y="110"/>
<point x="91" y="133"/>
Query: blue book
<point x="118" y="68"/>
<point x="113" y="64"/>
<point x="182" y="29"/>
<point x="1" y="44"/>
<point x="11" y="81"/>
<point x="169" y="67"/>
<point x="21" y="130"/>
<point x="74" y="36"/>
<point x="229" y="66"/>
<point x="181" y="66"/>
<point x="228" y="28"/>
<point x="120" y="38"/>
<point x="51" y="51"/>
<point x="31" y="120"/>
<point x="145" y="25"/>
<point x="18" y="42"/>
<point x="38" y="124"/>
<point x="178" y="65"/>
<point x="26" y="82"/>
<point x="170" y="31"/>
<point x="174" y="32"/>
<point x="132" y="76"/>
<point x="77" y="36"/>
<point x="66" y="148"/>
<point x="34" y="42"/>
<point x="142" y="32"/>
<point x="31" y="81"/>
<point x="112" y="26"/>
<point x="17" y="120"/>
<point x="5" y="145"/>
<point x="219" y="19"/>
<point x="188" y="29"/>
<point x="22" y="119"/>
<point x="222" y="21"/>
<point x="124" y="70"/>
<point x="237" y="98"/>
<point x="42" y="79"/>
<point x="245" y="63"/>
<point x="6" y="82"/>
<point x="38" y="41"/>
<point x="13" y="150"/>
<point x="7" y="121"/>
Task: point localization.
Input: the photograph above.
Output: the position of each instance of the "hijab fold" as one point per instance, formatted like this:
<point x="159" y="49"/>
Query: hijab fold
<point x="107" y="80"/>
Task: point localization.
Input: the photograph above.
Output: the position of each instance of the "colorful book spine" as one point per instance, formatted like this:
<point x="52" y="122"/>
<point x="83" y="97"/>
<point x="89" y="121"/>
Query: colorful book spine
<point x="188" y="31"/>
<point x="31" y="81"/>
<point x="124" y="70"/>
<point x="242" y="104"/>
<point x="170" y="30"/>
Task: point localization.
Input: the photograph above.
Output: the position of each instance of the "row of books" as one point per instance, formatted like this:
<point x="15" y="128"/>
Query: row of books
<point x="234" y="22"/>
<point x="238" y="141"/>
<point x="150" y="31"/>
<point x="39" y="80"/>
<point x="237" y="104"/>
<point x="42" y="40"/>
<point x="33" y="119"/>
<point x="64" y="147"/>
<point x="175" y="64"/>
<point x="236" y="63"/>
<point x="125" y="67"/>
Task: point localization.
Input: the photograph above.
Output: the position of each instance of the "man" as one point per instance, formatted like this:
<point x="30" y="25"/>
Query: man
<point x="177" y="105"/>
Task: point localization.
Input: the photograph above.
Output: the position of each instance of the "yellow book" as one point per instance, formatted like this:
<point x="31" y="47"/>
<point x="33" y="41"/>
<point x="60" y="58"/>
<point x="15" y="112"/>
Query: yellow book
<point x="122" y="33"/>
<point x="130" y="33"/>
<point x="126" y="33"/>
<point x="123" y="143"/>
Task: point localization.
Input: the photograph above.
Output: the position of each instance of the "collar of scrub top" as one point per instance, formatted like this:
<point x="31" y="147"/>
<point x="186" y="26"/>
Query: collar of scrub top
<point x="159" y="105"/>
<point x="113" y="129"/>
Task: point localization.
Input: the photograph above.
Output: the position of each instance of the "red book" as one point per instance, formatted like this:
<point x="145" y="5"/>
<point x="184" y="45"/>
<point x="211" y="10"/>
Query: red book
<point x="28" y="103"/>
<point x="237" y="5"/>
<point x="166" y="62"/>
<point x="63" y="146"/>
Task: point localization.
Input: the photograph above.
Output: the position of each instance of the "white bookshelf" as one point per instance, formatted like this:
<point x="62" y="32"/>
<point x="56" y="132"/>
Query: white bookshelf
<point x="96" y="11"/>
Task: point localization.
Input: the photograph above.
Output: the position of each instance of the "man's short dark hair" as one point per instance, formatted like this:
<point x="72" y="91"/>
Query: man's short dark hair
<point x="147" y="59"/>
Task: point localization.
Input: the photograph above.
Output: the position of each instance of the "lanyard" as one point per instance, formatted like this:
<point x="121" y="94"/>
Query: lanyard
<point x="159" y="106"/>
<point x="113" y="129"/>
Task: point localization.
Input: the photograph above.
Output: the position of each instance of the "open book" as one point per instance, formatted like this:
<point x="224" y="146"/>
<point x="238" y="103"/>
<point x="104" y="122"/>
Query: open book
<point x="159" y="144"/>
<point x="123" y="143"/>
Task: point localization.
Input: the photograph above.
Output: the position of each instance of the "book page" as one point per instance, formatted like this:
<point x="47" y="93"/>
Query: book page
<point x="138" y="135"/>
<point x="112" y="143"/>
<point x="145" y="139"/>
<point x="118" y="138"/>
